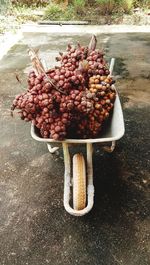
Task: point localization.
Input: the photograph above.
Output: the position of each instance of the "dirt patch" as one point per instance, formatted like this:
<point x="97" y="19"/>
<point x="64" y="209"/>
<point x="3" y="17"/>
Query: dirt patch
<point x="136" y="91"/>
<point x="120" y="67"/>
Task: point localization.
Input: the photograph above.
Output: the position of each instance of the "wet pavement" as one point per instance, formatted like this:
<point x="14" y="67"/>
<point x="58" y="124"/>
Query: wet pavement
<point x="34" y="227"/>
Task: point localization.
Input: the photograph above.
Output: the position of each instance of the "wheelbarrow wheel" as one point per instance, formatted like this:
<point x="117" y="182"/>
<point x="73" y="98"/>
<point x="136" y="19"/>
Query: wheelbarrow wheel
<point x="79" y="182"/>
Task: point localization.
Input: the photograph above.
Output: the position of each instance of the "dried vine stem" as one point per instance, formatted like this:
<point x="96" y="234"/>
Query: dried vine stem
<point x="38" y="66"/>
<point x="92" y="44"/>
<point x="18" y="79"/>
<point x="33" y="54"/>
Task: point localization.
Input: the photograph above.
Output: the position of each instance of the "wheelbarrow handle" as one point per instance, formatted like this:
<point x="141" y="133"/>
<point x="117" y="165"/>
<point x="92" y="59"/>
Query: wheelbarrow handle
<point x="111" y="67"/>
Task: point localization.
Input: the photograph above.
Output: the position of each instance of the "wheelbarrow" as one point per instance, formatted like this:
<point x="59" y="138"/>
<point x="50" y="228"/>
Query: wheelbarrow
<point x="82" y="182"/>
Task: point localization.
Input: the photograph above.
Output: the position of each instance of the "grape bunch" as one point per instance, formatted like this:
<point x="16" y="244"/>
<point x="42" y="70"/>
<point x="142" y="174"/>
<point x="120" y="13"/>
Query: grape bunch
<point x="70" y="100"/>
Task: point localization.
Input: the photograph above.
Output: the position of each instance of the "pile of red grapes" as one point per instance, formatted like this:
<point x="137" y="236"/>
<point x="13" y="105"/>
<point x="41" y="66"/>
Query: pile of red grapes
<point x="72" y="100"/>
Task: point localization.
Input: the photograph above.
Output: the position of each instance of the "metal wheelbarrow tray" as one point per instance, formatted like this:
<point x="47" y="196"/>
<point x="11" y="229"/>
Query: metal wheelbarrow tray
<point x="83" y="188"/>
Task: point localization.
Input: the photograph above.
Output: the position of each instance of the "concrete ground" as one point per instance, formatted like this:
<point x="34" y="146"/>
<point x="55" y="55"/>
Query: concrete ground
<point x="34" y="227"/>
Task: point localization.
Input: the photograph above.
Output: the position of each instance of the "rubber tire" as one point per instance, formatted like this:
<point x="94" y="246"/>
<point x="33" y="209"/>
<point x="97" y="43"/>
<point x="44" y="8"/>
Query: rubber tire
<point x="79" y="182"/>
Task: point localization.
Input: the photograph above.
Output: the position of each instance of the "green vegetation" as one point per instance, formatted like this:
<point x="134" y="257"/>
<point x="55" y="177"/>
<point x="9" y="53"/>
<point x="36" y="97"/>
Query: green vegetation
<point x="146" y="3"/>
<point x="57" y="9"/>
<point x="74" y="10"/>
<point x="106" y="6"/>
<point x="57" y="12"/>
<point x="126" y="5"/>
<point x="30" y="2"/>
<point x="53" y="11"/>
<point x="79" y="6"/>
<point x="112" y="6"/>
<point x="15" y="12"/>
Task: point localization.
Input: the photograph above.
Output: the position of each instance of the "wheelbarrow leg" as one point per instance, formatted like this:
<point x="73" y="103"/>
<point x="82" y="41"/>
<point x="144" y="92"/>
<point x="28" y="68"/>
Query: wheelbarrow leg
<point x="111" y="148"/>
<point x="51" y="149"/>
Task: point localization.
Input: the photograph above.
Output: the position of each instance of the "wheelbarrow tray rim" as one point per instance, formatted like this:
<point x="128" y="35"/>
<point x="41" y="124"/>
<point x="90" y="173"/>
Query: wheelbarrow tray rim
<point x="114" y="131"/>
